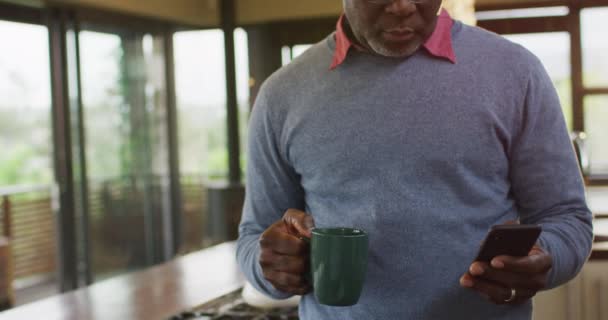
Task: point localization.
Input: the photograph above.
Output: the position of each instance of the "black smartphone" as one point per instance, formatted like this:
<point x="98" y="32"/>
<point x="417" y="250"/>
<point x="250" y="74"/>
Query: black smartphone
<point x="510" y="239"/>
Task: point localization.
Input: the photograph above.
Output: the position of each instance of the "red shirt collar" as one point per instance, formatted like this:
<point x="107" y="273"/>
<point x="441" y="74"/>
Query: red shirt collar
<point x="439" y="44"/>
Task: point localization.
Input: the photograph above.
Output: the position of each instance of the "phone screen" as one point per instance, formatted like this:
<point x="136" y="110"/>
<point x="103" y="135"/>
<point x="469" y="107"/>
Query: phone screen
<point x="513" y="240"/>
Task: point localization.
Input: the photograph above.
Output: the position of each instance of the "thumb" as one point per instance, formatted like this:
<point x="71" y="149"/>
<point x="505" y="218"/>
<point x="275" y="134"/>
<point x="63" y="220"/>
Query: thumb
<point x="298" y="222"/>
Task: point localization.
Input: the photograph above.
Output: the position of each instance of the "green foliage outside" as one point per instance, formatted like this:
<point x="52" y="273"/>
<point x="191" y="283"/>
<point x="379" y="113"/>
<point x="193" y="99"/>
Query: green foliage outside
<point x="116" y="142"/>
<point x="203" y="141"/>
<point x="18" y="167"/>
<point x="26" y="147"/>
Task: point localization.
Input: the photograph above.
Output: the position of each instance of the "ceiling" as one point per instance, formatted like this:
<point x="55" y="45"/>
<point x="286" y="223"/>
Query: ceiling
<point x="205" y="13"/>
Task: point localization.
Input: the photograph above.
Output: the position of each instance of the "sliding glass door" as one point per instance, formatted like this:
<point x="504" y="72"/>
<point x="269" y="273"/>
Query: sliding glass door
<point x="125" y="149"/>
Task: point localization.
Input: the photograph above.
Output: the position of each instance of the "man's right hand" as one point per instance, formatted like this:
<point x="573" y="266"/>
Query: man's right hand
<point x="284" y="256"/>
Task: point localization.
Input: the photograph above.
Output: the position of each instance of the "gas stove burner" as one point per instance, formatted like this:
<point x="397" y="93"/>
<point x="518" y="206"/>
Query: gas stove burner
<point x="232" y="307"/>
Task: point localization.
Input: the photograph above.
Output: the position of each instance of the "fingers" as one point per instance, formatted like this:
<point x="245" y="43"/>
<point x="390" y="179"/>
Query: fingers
<point x="283" y="263"/>
<point x="537" y="261"/>
<point x="287" y="282"/>
<point x="284" y="236"/>
<point x="284" y="256"/>
<point x="526" y="275"/>
<point x="281" y="242"/>
<point x="285" y="271"/>
<point x="488" y="290"/>
<point x="494" y="292"/>
<point x="298" y="222"/>
<point x="508" y="279"/>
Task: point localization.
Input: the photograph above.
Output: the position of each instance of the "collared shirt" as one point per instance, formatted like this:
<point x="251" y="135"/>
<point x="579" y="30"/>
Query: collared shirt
<point x="439" y="44"/>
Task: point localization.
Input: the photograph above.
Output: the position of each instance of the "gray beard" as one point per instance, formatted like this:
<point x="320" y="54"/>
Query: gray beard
<point x="378" y="48"/>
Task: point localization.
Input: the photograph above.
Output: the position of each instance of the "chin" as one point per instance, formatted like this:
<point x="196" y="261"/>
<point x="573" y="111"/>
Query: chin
<point x="397" y="51"/>
<point x="393" y="49"/>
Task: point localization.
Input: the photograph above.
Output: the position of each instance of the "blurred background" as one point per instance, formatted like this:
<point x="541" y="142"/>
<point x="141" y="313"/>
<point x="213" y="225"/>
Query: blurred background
<point x="123" y="122"/>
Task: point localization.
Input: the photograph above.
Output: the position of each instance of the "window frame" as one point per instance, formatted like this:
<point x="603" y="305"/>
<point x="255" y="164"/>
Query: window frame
<point x="570" y="23"/>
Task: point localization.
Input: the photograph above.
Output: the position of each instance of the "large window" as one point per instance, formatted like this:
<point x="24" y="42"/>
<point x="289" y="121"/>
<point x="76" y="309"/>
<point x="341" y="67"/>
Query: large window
<point x="596" y="127"/>
<point x="594" y="22"/>
<point x="124" y="106"/>
<point x="200" y="86"/>
<point x="201" y="100"/>
<point x="25" y="106"/>
<point x="202" y="112"/>
<point x="26" y="173"/>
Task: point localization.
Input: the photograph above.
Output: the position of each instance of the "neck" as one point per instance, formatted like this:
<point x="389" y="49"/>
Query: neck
<point x="351" y="35"/>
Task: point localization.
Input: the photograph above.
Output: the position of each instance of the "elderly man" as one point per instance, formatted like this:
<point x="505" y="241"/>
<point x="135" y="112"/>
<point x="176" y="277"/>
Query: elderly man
<point x="424" y="132"/>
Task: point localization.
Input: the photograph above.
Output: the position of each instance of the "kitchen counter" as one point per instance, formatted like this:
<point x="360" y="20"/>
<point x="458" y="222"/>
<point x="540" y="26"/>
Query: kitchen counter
<point x="167" y="289"/>
<point x="154" y="293"/>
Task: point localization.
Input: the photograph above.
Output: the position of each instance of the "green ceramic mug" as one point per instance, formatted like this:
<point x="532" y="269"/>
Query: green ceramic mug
<point x="338" y="262"/>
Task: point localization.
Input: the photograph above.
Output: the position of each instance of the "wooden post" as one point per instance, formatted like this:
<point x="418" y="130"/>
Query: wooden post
<point x="7" y="298"/>
<point x="6" y="216"/>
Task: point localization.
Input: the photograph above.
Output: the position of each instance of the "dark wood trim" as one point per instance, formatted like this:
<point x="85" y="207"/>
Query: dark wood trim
<point x="108" y="21"/>
<point x="520" y="5"/>
<point x="540" y="4"/>
<point x="7" y="230"/>
<point x="113" y="22"/>
<point x="289" y="33"/>
<point x="594" y="3"/>
<point x="526" y="25"/>
<point x="63" y="158"/>
<point x="592" y="91"/>
<point x="16" y="13"/>
<point x="599" y="251"/>
<point x="576" y="65"/>
<point x="228" y="22"/>
<point x="597" y="180"/>
<point x="264" y="57"/>
<point x="295" y="22"/>
<point x="172" y="241"/>
<point x="78" y="111"/>
<point x="96" y="17"/>
<point x="266" y="40"/>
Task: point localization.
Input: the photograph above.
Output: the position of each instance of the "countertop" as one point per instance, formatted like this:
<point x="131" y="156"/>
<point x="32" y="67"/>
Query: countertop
<point x="167" y="289"/>
<point x="154" y="293"/>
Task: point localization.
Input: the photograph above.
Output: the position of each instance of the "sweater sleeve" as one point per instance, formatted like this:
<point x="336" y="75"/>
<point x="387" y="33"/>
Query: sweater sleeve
<point x="546" y="181"/>
<point x="272" y="187"/>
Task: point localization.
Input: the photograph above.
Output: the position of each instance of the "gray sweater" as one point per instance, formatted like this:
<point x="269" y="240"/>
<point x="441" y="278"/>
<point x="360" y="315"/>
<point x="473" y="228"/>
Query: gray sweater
<point x="424" y="155"/>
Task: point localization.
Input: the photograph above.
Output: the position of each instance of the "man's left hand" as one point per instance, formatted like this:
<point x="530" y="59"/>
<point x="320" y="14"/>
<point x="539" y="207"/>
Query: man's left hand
<point x="510" y="280"/>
